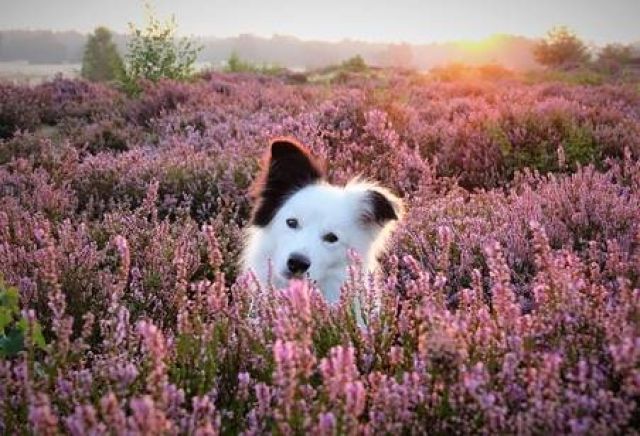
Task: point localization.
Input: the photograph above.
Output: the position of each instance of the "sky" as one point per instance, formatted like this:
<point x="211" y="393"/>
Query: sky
<point x="413" y="21"/>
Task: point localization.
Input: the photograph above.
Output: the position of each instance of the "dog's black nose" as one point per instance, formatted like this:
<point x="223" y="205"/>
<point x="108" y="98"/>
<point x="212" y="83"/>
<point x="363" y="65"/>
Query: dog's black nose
<point x="298" y="264"/>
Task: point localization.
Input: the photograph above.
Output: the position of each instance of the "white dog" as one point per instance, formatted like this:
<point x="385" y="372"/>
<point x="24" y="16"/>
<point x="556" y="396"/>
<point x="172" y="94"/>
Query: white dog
<point x="302" y="226"/>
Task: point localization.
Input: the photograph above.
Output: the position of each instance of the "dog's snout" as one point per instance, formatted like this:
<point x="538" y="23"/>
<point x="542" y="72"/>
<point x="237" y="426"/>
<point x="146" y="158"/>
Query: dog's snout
<point x="298" y="264"/>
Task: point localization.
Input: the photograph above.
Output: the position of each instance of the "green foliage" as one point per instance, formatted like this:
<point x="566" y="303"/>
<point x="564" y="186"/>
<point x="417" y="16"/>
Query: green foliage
<point x="579" y="146"/>
<point x="355" y="64"/>
<point x="580" y="76"/>
<point x="101" y="61"/>
<point x="616" y="53"/>
<point x="155" y="53"/>
<point x="561" y="48"/>
<point x="14" y="328"/>
<point x="237" y="65"/>
<point x="614" y="57"/>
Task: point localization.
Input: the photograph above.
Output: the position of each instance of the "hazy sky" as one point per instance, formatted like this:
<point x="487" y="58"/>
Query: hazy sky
<point x="373" y="20"/>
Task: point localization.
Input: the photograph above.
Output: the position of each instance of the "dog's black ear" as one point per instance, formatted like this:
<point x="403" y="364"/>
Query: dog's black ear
<point x="288" y="167"/>
<point x="382" y="207"/>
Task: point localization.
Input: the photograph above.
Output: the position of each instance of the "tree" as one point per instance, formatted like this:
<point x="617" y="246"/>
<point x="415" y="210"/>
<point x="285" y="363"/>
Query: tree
<point x="613" y="57"/>
<point x="155" y="52"/>
<point x="101" y="61"/>
<point x="618" y="53"/>
<point x="355" y="64"/>
<point x="561" y="48"/>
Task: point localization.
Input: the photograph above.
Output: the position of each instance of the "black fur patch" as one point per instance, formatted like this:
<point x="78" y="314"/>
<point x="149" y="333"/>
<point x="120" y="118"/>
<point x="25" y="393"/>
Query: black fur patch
<point x="382" y="208"/>
<point x="288" y="168"/>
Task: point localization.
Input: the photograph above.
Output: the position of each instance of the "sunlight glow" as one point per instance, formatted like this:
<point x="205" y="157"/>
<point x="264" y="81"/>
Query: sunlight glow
<point x="477" y="46"/>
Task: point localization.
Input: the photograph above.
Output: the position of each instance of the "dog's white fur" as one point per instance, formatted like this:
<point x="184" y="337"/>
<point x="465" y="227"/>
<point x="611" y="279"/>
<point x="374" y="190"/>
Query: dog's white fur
<point x="320" y="208"/>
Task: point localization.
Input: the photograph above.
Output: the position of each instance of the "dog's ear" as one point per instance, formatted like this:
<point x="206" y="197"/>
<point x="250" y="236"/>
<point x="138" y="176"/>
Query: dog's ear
<point x="381" y="207"/>
<point x="287" y="168"/>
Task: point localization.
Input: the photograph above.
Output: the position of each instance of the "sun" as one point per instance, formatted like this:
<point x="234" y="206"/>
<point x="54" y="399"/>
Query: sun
<point x="480" y="45"/>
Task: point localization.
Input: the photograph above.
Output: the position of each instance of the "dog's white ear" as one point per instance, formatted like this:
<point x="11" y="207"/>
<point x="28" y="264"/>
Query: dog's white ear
<point x="287" y="168"/>
<point x="381" y="207"/>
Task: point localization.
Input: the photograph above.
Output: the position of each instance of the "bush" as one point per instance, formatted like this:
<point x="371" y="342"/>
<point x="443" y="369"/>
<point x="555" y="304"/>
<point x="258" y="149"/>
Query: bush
<point x="236" y="65"/>
<point x="155" y="53"/>
<point x="20" y="109"/>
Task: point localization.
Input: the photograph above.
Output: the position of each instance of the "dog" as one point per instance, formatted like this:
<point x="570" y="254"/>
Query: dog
<point x="304" y="227"/>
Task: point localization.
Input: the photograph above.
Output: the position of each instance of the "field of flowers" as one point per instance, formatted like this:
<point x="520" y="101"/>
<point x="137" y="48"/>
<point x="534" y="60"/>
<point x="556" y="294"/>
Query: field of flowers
<point x="510" y="292"/>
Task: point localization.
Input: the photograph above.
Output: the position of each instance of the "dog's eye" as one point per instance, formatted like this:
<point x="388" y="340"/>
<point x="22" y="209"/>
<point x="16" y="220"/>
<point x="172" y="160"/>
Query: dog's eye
<point x="330" y="238"/>
<point x="292" y="223"/>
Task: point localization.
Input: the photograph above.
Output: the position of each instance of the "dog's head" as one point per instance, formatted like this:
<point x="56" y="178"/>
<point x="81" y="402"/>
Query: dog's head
<point x="307" y="226"/>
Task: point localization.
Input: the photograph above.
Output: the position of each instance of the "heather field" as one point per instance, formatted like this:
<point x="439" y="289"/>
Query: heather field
<point x="510" y="291"/>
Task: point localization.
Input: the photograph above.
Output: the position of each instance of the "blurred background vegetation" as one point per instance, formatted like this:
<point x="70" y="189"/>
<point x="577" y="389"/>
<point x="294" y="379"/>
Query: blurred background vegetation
<point x="153" y="50"/>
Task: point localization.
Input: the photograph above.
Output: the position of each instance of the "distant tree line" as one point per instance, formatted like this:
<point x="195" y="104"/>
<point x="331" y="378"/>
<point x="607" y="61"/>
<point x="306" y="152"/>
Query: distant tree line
<point x="41" y="46"/>
<point x="563" y="49"/>
<point x="68" y="47"/>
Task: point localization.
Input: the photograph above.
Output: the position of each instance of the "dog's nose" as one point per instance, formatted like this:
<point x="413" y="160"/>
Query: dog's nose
<point x="298" y="264"/>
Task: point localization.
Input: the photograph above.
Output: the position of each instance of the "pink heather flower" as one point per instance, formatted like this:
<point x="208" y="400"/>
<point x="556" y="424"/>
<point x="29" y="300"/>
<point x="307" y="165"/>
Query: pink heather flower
<point x="395" y="355"/>
<point x="502" y="294"/>
<point x="213" y="247"/>
<point x="150" y="200"/>
<point x="181" y="264"/>
<point x="205" y="421"/>
<point x="84" y="421"/>
<point x="326" y="424"/>
<point x="48" y="259"/>
<point x="122" y="374"/>
<point x="244" y="379"/>
<point x="355" y="398"/>
<point x="338" y="370"/>
<point x="112" y="413"/>
<point x="154" y="344"/>
<point x="146" y="418"/>
<point x="293" y="316"/>
<point x="263" y="397"/>
<point x="216" y="294"/>
<point x="42" y="418"/>
<point x="122" y="246"/>
<point x="294" y="365"/>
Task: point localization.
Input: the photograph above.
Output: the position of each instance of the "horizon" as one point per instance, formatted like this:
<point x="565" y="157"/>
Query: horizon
<point x="598" y="23"/>
<point x="285" y="36"/>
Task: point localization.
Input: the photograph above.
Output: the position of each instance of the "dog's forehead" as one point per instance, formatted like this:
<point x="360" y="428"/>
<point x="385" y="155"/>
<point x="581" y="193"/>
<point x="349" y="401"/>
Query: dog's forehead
<point x="323" y="202"/>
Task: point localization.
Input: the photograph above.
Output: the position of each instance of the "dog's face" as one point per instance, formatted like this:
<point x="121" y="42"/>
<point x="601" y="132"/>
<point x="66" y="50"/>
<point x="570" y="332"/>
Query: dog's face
<point x="306" y="227"/>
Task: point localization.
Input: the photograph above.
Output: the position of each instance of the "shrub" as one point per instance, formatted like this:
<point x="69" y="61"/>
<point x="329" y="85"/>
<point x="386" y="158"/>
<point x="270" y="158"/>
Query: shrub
<point x="20" y="109"/>
<point x="154" y="52"/>
<point x="237" y="65"/>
